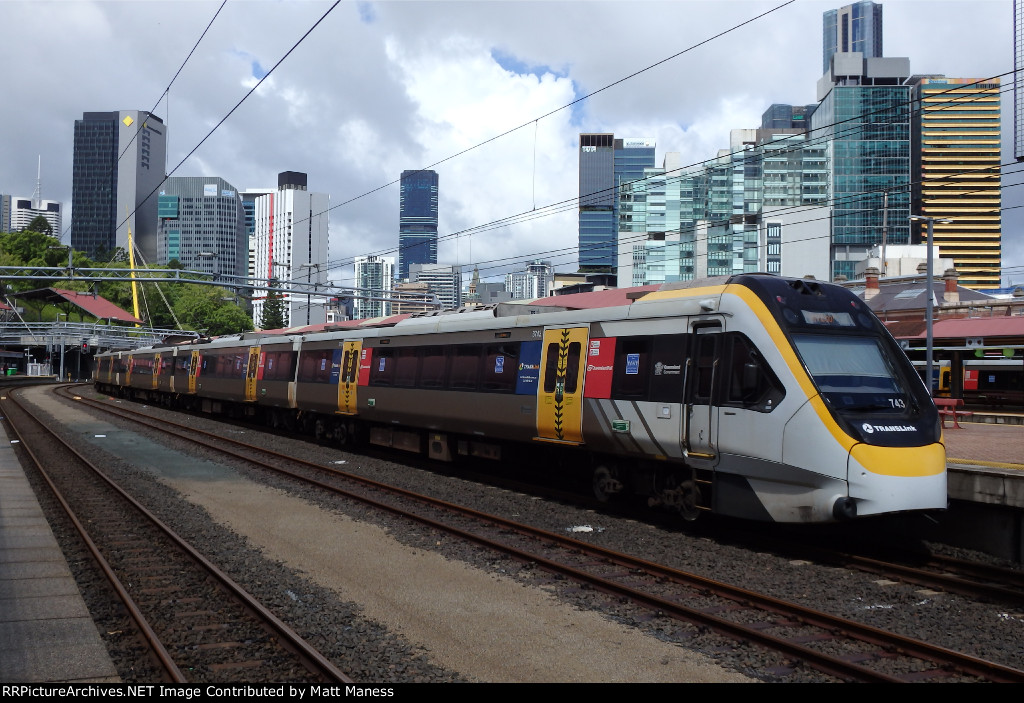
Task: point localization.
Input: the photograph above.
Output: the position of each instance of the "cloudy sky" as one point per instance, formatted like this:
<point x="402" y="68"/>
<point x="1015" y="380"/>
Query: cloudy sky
<point x="492" y="95"/>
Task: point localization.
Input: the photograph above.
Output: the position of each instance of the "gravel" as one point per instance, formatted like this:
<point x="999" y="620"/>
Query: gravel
<point x="373" y="652"/>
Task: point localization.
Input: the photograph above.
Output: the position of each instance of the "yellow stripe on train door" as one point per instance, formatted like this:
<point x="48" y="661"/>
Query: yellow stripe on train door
<point x="250" y="374"/>
<point x="560" y="395"/>
<point x="348" y="381"/>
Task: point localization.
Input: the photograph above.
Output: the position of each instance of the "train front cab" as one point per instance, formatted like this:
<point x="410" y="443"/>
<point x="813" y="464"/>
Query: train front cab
<point x="865" y="426"/>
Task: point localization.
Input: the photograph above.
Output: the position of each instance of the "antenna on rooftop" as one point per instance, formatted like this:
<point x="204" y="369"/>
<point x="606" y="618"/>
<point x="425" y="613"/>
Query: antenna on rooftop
<point x="37" y="196"/>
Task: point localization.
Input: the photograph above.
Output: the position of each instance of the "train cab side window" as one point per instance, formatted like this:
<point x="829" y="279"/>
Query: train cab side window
<point x="705" y="351"/>
<point x="465" y="368"/>
<point x="432" y="366"/>
<point x="571" y="368"/>
<point x="501" y="362"/>
<point x="382" y="372"/>
<point x="407" y="364"/>
<point x="749" y="381"/>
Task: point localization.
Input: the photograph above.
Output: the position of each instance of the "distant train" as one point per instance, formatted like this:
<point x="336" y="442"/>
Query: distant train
<point x="992" y="381"/>
<point x="755" y="396"/>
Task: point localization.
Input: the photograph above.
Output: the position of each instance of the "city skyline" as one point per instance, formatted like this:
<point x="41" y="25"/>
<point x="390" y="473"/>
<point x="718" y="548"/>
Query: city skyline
<point x="485" y="75"/>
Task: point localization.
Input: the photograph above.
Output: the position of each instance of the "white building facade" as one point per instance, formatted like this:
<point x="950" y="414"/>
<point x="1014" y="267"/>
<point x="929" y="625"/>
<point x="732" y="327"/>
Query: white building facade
<point x="290" y="242"/>
<point x="374" y="276"/>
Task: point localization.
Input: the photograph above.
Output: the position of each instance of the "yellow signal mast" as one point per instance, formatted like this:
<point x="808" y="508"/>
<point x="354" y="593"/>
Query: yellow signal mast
<point x="131" y="262"/>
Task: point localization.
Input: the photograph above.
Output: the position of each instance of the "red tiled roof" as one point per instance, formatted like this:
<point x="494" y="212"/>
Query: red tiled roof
<point x="96" y="306"/>
<point x="609" y="298"/>
<point x="979" y="327"/>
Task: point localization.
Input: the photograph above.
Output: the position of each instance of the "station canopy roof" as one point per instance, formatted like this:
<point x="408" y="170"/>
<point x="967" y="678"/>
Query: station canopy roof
<point x="90" y="303"/>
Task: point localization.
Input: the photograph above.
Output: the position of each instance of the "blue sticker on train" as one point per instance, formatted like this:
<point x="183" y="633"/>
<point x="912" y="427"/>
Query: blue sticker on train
<point x="335" y="367"/>
<point x="632" y="364"/>
<point x="499" y="364"/>
<point x="529" y="368"/>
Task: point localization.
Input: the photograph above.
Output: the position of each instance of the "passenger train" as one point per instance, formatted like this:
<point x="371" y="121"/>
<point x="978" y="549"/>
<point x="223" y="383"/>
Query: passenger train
<point x="752" y="396"/>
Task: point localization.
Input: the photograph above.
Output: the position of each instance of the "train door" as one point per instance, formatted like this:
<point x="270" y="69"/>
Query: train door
<point x="560" y="395"/>
<point x="348" y="381"/>
<point x="700" y="417"/>
<point x="193" y="371"/>
<point x="156" y="371"/>
<point x="250" y="374"/>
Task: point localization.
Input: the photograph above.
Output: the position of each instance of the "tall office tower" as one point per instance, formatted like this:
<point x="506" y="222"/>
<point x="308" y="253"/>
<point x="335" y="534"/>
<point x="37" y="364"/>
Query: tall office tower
<point x="202" y="226"/>
<point x="374" y="276"/>
<point x="957" y="157"/>
<point x="530" y="283"/>
<point x="417" y="220"/>
<point x="1018" y="80"/>
<point x="855" y="27"/>
<point x="442" y="280"/>
<point x="118" y="166"/>
<point x="17" y="213"/>
<point x="291" y="243"/>
<point x="864" y="116"/>
<point x="605" y="164"/>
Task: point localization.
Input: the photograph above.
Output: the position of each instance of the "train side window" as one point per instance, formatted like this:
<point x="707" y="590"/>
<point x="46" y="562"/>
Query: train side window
<point x="279" y="366"/>
<point x="314" y="366"/>
<point x="632" y="361"/>
<point x="465" y="368"/>
<point x="407" y="362"/>
<point x="749" y="381"/>
<point x="499" y="372"/>
<point x="572" y="367"/>
<point x="432" y="366"/>
<point x="382" y="372"/>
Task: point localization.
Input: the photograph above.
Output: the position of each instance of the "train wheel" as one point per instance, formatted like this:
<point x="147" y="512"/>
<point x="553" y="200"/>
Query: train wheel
<point x="341" y="434"/>
<point x="606" y="483"/>
<point x="682" y="495"/>
<point x="319" y="429"/>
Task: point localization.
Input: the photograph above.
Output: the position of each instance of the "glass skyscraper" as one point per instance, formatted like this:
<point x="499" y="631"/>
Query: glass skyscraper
<point x="855" y="27"/>
<point x="606" y="164"/>
<point x="866" y="122"/>
<point x="417" y="220"/>
<point x="118" y="165"/>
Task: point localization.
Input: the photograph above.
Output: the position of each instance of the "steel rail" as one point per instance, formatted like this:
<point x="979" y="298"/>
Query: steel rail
<point x="299" y="645"/>
<point x="909" y="646"/>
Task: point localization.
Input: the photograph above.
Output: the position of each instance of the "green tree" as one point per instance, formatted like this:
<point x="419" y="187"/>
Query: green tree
<point x="273" y="309"/>
<point x="40" y="224"/>
<point x="200" y="307"/>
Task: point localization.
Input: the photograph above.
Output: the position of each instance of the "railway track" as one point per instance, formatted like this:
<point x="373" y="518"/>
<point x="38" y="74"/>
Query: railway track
<point x="198" y="624"/>
<point x="841" y="648"/>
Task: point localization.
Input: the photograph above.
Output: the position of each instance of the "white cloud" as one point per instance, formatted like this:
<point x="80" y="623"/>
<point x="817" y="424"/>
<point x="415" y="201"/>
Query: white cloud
<point x="379" y="88"/>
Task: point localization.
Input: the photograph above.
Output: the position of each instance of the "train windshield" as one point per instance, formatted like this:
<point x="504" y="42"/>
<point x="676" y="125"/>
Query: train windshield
<point x="852" y="372"/>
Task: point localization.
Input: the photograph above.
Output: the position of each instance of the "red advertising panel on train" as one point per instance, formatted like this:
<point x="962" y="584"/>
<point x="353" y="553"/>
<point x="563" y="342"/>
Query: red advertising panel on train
<point x="971" y="380"/>
<point x="600" y="363"/>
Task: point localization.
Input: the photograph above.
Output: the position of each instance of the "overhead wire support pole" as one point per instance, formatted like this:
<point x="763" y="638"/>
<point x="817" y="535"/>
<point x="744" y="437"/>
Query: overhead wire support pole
<point x="929" y="309"/>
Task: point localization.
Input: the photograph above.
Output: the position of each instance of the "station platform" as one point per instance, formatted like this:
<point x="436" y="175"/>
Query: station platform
<point x="46" y="632"/>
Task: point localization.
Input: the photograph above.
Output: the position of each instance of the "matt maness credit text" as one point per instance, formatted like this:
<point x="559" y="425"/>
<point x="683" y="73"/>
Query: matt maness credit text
<point x="190" y="692"/>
